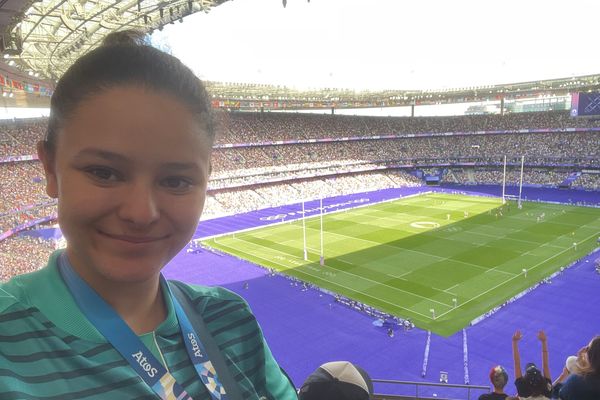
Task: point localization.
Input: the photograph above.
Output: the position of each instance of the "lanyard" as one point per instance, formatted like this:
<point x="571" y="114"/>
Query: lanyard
<point x="126" y="342"/>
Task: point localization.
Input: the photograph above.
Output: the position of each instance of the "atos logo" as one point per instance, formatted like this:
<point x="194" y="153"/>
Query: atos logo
<point x="195" y="346"/>
<point x="143" y="362"/>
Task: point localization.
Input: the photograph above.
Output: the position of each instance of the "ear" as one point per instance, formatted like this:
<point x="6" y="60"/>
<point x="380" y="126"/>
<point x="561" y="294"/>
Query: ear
<point x="48" y="161"/>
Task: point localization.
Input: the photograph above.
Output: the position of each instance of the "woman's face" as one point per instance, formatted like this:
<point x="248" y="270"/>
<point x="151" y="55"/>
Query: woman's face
<point x="130" y="172"/>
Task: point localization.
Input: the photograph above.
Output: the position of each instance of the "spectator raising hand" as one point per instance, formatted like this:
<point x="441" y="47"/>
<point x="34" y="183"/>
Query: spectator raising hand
<point x="533" y="384"/>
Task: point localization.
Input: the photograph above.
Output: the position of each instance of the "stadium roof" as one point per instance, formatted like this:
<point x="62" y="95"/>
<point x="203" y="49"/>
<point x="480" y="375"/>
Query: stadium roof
<point x="250" y="96"/>
<point x="46" y="37"/>
<point x="43" y="38"/>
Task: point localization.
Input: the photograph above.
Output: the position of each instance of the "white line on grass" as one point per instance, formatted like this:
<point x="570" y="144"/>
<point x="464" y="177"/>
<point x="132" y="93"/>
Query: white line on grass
<point x="400" y="276"/>
<point x="445" y="291"/>
<point x="549" y="221"/>
<point x="332" y="282"/>
<point x="350" y="273"/>
<point x="510" y="279"/>
<point x="337" y="258"/>
<point x="513" y="239"/>
<point x="440" y="258"/>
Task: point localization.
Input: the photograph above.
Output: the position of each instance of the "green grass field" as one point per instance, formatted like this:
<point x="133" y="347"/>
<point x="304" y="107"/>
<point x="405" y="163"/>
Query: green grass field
<point x="407" y="258"/>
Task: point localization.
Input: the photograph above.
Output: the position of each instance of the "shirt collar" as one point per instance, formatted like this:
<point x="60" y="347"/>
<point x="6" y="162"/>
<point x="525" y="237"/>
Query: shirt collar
<point x="52" y="297"/>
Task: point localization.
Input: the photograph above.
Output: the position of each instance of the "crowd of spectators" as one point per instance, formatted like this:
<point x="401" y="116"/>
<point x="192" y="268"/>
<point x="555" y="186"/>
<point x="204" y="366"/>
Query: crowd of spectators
<point x="265" y="127"/>
<point x="582" y="149"/>
<point x="23" y="216"/>
<point x="275" y="173"/>
<point x="543" y="177"/>
<point x="588" y="181"/>
<point x="260" y="196"/>
<point x="261" y="175"/>
<point x="21" y="183"/>
<point x="579" y="379"/>
<point x="250" y="128"/>
<point x="20" y="138"/>
<point x="22" y="254"/>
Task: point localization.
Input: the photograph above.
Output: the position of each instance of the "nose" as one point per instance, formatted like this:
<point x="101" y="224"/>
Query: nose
<point x="139" y="205"/>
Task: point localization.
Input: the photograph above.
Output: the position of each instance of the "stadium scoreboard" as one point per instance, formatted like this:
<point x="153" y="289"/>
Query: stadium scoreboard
<point x="585" y="104"/>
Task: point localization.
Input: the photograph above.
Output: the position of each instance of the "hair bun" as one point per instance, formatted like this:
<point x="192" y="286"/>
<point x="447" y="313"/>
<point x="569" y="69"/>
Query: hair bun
<point x="128" y="37"/>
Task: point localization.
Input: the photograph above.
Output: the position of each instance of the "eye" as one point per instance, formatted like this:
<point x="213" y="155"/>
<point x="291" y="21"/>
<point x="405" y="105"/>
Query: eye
<point x="177" y="183"/>
<point x="103" y="173"/>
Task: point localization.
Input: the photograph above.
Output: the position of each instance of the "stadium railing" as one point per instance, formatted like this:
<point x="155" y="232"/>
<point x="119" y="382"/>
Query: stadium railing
<point x="443" y="388"/>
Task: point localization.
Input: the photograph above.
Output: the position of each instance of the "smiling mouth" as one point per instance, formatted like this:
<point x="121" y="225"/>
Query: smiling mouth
<point x="133" y="239"/>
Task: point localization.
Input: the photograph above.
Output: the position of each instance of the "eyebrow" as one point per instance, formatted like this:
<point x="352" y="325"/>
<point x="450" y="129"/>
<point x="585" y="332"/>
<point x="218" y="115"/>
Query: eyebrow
<point x="178" y="166"/>
<point x="107" y="155"/>
<point x="111" y="156"/>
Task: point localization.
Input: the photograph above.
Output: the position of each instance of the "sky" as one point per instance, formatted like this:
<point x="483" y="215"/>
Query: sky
<point x="388" y="44"/>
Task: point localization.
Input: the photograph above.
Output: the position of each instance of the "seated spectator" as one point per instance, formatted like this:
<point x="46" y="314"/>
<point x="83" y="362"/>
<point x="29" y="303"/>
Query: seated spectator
<point x="573" y="365"/>
<point x="585" y="384"/>
<point x="337" y="380"/>
<point x="534" y="385"/>
<point x="499" y="379"/>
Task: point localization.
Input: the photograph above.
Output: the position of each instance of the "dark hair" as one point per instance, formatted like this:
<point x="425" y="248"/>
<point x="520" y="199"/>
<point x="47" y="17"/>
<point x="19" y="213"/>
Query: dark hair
<point x="536" y="382"/>
<point x="593" y="357"/>
<point x="126" y="58"/>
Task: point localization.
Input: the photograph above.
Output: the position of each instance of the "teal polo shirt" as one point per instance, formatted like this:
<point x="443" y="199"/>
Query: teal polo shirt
<point x="49" y="350"/>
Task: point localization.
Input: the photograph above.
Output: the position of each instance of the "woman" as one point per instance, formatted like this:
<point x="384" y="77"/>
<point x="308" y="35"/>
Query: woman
<point x="127" y="155"/>
<point x="585" y="385"/>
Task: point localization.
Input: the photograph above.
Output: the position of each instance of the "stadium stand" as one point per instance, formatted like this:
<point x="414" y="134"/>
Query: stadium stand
<point x="257" y="127"/>
<point x="19" y="255"/>
<point x="251" y="172"/>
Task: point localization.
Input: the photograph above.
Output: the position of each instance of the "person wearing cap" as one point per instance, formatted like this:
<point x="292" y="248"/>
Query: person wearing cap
<point x="499" y="379"/>
<point x="533" y="385"/>
<point x="337" y="380"/>
<point x="585" y="384"/>
<point x="572" y="366"/>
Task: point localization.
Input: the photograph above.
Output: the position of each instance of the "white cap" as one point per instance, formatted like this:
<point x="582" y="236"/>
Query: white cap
<point x="572" y="365"/>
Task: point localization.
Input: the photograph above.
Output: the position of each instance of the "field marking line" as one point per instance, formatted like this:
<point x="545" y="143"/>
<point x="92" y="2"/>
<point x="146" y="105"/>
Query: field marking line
<point x="337" y="258"/>
<point x="548" y="221"/>
<point x="333" y="282"/>
<point x="440" y="258"/>
<point x="445" y="291"/>
<point x="400" y="276"/>
<point x="516" y="240"/>
<point x="408" y="218"/>
<point x="344" y="261"/>
<point x="347" y="273"/>
<point x="510" y="279"/>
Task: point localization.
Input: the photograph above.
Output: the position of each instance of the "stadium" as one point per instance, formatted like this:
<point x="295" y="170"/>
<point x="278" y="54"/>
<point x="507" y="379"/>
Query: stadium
<point x="413" y="246"/>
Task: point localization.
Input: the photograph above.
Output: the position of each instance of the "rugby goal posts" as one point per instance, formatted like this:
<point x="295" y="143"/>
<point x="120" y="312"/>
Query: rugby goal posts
<point x="505" y="196"/>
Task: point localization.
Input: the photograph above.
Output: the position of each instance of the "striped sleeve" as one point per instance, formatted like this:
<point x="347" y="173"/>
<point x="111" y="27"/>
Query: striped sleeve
<point x="240" y="338"/>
